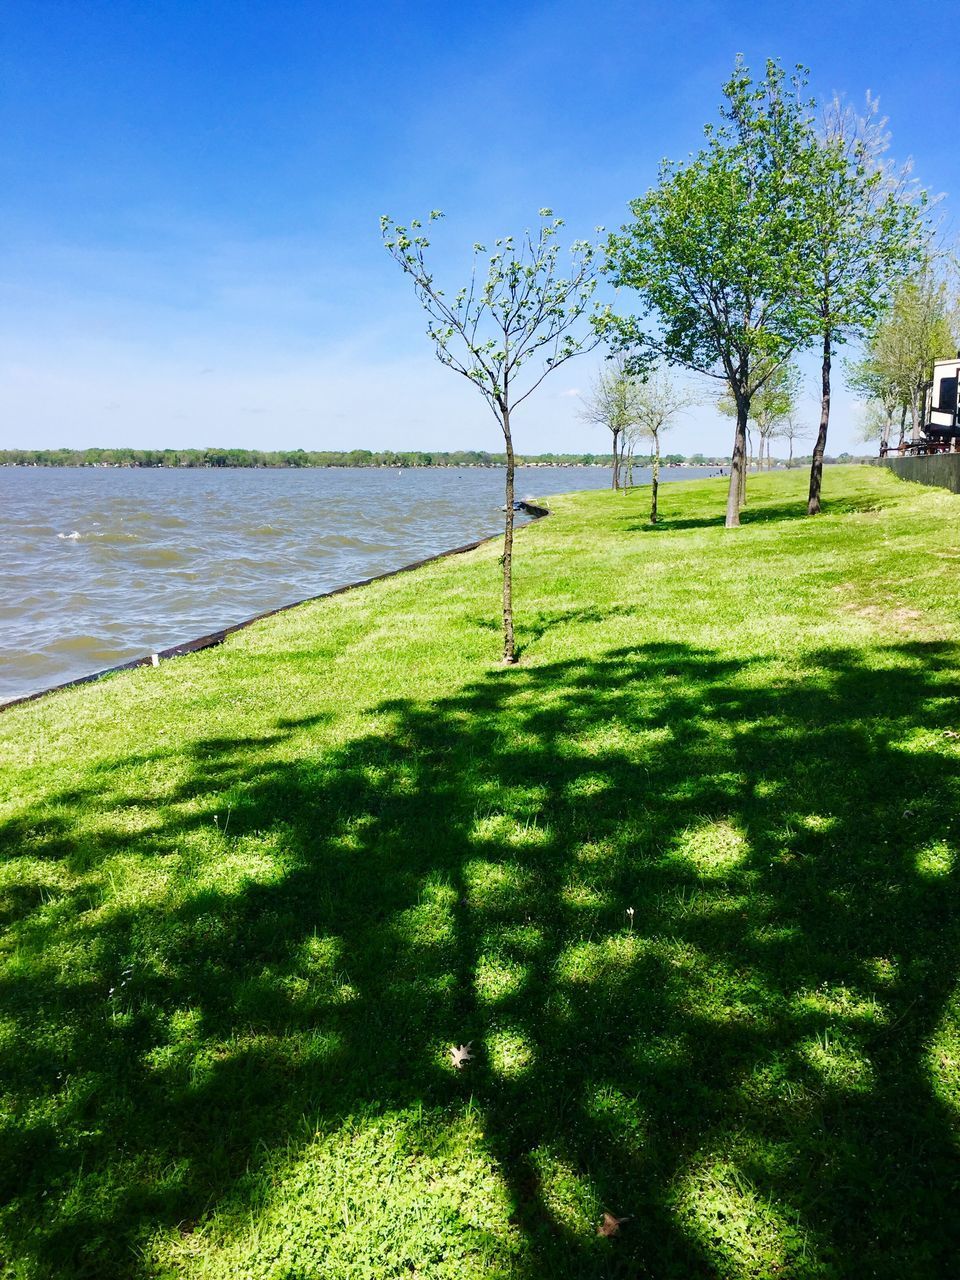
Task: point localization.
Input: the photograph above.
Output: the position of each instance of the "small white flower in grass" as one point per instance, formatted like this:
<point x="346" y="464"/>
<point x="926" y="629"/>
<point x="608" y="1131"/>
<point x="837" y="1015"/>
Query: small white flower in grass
<point x="630" y="916"/>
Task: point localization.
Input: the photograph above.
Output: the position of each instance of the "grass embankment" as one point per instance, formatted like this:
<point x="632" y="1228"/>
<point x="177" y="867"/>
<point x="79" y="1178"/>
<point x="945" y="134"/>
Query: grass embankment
<point x="253" y="896"/>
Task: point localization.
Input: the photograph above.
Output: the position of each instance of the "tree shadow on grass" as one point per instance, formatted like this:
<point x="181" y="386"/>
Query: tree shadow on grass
<point x="757" y="511"/>
<point x="751" y="1065"/>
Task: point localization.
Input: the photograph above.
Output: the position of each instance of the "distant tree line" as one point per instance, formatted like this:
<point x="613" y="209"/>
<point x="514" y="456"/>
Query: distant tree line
<point x="175" y="458"/>
<point x="284" y="458"/>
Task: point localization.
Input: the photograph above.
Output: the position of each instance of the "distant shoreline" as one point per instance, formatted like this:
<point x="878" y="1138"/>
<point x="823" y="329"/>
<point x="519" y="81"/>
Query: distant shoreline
<point x="299" y="459"/>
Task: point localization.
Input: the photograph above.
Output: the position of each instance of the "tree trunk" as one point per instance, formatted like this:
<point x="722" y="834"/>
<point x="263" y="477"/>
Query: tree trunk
<point x="655" y="479"/>
<point x="616" y="459"/>
<point x="790" y="458"/>
<point x="509" y="654"/>
<point x="737" y="461"/>
<point x="747" y="451"/>
<point x="916" y="413"/>
<point x="819" y="449"/>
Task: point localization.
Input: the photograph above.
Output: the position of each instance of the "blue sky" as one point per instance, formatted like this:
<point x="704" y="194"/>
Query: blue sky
<point x="190" y="193"/>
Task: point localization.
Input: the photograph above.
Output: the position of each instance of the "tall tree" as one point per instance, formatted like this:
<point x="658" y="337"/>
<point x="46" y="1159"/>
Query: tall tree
<point x="918" y="327"/>
<point x="658" y="402"/>
<point x="716" y="251"/>
<point x="609" y="403"/>
<point x="773" y="404"/>
<point x="866" y="229"/>
<point x="505" y="330"/>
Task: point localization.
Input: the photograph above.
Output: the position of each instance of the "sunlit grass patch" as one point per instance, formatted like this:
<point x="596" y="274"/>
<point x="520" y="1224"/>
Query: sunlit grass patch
<point x="497" y="979"/>
<point x="711" y="848"/>
<point x="497" y="886"/>
<point x="741" y="1230"/>
<point x="839" y="1060"/>
<point x="831" y="1002"/>
<point x="599" y="962"/>
<point x="596" y="852"/>
<point x="230" y="865"/>
<point x="935" y="860"/>
<point x="568" y="1196"/>
<point x="354" y="1202"/>
<point x="942" y="1059"/>
<point x="587" y="784"/>
<point x="504" y="829"/>
<point x="580" y="895"/>
<point x="430" y="925"/>
<point x="511" y="1052"/>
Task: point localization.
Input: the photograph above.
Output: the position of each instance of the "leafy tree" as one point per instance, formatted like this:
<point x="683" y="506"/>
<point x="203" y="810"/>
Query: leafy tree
<point x="657" y="403"/>
<point x="918" y="327"/>
<point x="505" y="330"/>
<point x="770" y="407"/>
<point x="610" y="403"/>
<point x="866" y="229"/>
<point x="716" y="251"/>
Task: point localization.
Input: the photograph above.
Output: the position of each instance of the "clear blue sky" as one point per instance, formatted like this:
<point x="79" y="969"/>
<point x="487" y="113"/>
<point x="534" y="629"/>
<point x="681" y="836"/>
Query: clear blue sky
<point x="189" y="193"/>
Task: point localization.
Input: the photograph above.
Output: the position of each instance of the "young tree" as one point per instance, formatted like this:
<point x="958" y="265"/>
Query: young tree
<point x="770" y="407"/>
<point x="505" y="330"/>
<point x="658" y="402"/>
<point x="717" y="252"/>
<point x="792" y="431"/>
<point x="866" y="228"/>
<point x="610" y="403"/>
<point x="887" y="395"/>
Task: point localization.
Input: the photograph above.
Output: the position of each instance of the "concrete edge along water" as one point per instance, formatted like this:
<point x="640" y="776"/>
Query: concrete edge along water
<point x="213" y="638"/>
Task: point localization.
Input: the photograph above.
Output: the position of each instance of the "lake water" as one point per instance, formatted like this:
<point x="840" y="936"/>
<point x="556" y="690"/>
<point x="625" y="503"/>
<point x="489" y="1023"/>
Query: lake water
<point x="101" y="566"/>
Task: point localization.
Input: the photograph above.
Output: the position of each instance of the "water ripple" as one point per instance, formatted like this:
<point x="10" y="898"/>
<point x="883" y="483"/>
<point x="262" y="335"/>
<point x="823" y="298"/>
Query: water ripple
<point x="101" y="566"/>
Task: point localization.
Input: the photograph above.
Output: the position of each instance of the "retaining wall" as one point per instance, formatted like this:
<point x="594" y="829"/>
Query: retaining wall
<point x="218" y="637"/>
<point x="940" y="469"/>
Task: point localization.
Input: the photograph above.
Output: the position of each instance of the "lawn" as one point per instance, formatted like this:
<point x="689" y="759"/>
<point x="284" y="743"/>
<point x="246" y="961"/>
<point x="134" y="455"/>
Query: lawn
<point x="686" y="880"/>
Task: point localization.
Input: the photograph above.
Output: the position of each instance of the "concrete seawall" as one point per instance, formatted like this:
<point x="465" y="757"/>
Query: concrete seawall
<point x="217" y="637"/>
<point x="939" y="469"/>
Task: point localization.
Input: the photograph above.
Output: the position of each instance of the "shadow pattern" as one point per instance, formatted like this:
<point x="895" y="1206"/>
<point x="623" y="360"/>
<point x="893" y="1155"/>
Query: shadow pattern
<point x="698" y="918"/>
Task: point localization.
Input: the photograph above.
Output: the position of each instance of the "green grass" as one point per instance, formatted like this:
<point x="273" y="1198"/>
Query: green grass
<point x="250" y="898"/>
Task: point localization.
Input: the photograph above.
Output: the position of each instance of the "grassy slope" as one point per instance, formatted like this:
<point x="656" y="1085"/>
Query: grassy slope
<point x="251" y="897"/>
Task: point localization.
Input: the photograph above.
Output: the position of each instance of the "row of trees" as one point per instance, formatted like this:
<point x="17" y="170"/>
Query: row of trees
<point x="175" y="458"/>
<point x="920" y="325"/>
<point x="788" y="229"/>
<point x="782" y="232"/>
<point x="634" y="410"/>
<point x="642" y="409"/>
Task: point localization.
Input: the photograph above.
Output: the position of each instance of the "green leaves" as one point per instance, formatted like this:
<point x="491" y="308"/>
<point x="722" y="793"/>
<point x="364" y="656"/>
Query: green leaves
<point x="866" y="222"/>
<point x="520" y="306"/>
<point x="770" y="233"/>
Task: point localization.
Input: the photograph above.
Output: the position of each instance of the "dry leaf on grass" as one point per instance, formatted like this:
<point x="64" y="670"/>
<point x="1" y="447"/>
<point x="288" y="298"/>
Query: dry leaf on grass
<point x="461" y="1056"/>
